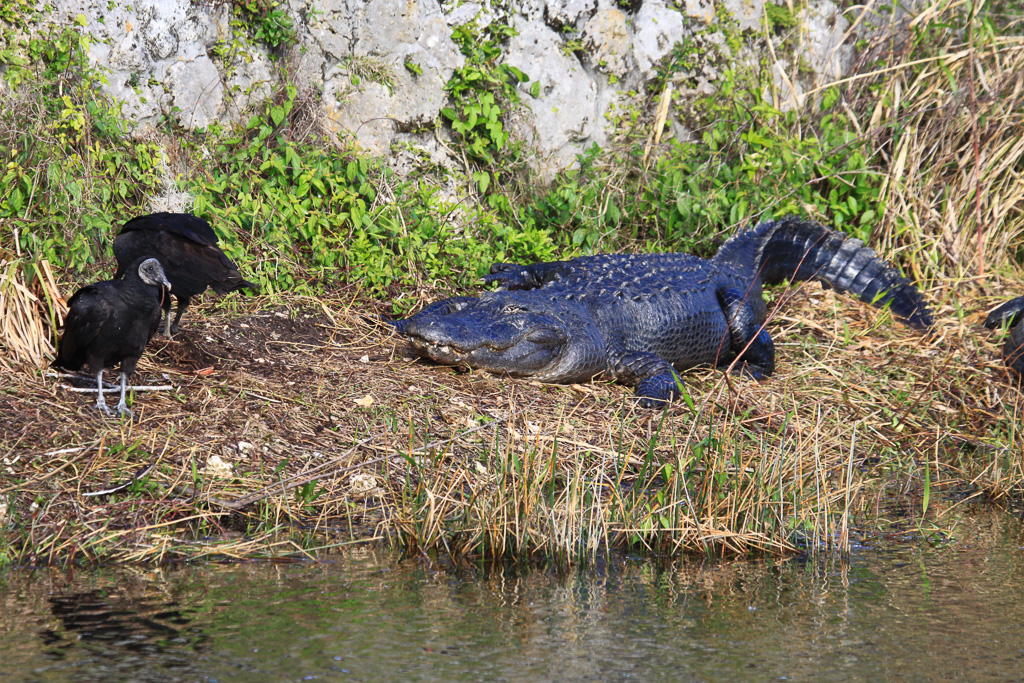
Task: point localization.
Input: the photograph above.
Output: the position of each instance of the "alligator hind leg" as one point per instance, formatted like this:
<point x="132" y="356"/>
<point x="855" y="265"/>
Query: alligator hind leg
<point x="752" y="346"/>
<point x="656" y="382"/>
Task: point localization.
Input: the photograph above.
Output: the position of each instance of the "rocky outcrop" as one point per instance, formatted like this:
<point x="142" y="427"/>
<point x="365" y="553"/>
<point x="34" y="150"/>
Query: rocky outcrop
<point x="383" y="65"/>
<point x="380" y="67"/>
<point x="553" y="126"/>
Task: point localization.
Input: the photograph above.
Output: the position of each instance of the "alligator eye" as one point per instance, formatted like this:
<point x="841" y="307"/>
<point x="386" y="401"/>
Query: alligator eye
<point x="513" y="308"/>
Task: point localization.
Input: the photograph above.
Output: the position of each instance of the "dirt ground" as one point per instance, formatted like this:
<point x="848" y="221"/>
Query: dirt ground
<point x="281" y="421"/>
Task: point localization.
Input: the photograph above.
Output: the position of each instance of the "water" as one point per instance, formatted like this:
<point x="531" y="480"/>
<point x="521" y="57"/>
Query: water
<point x="909" y="611"/>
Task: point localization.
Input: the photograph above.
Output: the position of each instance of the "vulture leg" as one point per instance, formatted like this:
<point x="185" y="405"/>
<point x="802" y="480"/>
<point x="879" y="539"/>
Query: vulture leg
<point x="166" y="305"/>
<point x="101" y="403"/>
<point x="122" y="407"/>
<point x="183" y="302"/>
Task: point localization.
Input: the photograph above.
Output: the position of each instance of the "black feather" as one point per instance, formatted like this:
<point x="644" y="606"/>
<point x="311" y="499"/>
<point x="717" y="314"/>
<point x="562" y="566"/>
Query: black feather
<point x="187" y="248"/>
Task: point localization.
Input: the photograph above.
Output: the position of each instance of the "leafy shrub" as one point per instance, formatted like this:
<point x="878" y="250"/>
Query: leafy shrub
<point x="68" y="168"/>
<point x="313" y="215"/>
<point x="481" y="92"/>
<point x="268" y="21"/>
<point x="752" y="162"/>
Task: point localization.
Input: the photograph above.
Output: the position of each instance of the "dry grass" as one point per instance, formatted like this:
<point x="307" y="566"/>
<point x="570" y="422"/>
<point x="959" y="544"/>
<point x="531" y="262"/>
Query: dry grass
<point x="28" y="313"/>
<point x="947" y="122"/>
<point x="333" y="436"/>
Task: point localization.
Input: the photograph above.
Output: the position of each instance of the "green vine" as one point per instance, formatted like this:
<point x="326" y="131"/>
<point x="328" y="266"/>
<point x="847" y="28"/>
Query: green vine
<point x="268" y="21"/>
<point x="482" y="92"/>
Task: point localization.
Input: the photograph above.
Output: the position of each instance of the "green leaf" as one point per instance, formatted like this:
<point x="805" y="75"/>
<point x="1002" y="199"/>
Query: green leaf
<point x="277" y="115"/>
<point x="17" y="200"/>
<point x="535" y="89"/>
<point x="517" y="73"/>
<point x="483" y="180"/>
<point x="829" y="98"/>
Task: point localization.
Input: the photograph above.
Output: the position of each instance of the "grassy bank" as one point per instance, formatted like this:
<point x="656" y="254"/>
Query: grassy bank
<point x="290" y="422"/>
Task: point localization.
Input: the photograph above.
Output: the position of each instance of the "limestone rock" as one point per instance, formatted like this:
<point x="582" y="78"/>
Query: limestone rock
<point x="556" y="13"/>
<point x="458" y="13"/>
<point x="565" y="113"/>
<point x="704" y="10"/>
<point x="161" y="41"/>
<point x="606" y="36"/>
<point x="826" y="27"/>
<point x="196" y="91"/>
<point x="368" y="90"/>
<point x="748" y="13"/>
<point x="562" y="13"/>
<point x="249" y="83"/>
<point x="658" y="29"/>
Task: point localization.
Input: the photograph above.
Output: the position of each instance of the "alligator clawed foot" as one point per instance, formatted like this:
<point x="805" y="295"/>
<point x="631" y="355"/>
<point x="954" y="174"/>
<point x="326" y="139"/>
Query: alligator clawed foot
<point x="754" y="371"/>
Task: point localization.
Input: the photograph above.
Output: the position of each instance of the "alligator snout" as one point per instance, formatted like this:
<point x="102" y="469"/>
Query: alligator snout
<point x="429" y="331"/>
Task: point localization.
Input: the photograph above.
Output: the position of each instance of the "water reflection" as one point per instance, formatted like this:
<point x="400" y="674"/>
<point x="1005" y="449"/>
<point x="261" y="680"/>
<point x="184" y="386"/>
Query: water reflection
<point x="98" y="627"/>
<point x="128" y="634"/>
<point x="906" y="612"/>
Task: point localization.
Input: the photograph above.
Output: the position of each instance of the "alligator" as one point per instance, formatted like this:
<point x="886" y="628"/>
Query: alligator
<point x="640" y="318"/>
<point x="1011" y="315"/>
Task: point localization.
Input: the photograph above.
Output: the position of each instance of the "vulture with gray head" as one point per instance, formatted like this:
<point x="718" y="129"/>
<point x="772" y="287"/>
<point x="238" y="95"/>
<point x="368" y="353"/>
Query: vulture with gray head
<point x="110" y="322"/>
<point x="187" y="248"/>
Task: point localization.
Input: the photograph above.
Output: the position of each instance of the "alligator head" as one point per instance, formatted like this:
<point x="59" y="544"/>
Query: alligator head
<point x="518" y="333"/>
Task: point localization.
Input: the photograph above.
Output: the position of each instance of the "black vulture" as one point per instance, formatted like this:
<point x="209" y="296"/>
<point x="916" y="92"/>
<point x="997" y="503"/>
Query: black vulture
<point x="187" y="248"/>
<point x="110" y="322"/>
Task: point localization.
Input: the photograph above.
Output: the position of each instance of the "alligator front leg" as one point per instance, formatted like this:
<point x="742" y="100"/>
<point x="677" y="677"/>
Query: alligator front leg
<point x="751" y="343"/>
<point x="656" y="382"/>
<point x="511" y="276"/>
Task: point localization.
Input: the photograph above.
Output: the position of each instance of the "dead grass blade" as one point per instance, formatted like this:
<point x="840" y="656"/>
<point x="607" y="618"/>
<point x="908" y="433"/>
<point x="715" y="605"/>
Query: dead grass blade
<point x="28" y="314"/>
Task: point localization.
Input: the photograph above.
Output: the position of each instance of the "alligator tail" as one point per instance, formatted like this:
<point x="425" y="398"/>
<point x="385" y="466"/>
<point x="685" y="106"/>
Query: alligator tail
<point x="795" y="249"/>
<point x="1011" y="314"/>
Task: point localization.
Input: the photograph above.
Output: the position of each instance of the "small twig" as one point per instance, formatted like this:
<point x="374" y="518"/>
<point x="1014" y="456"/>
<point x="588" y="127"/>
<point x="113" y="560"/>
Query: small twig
<point x="117" y="389"/>
<point x="259" y="396"/>
<point x="65" y="451"/>
<point x="139" y="474"/>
